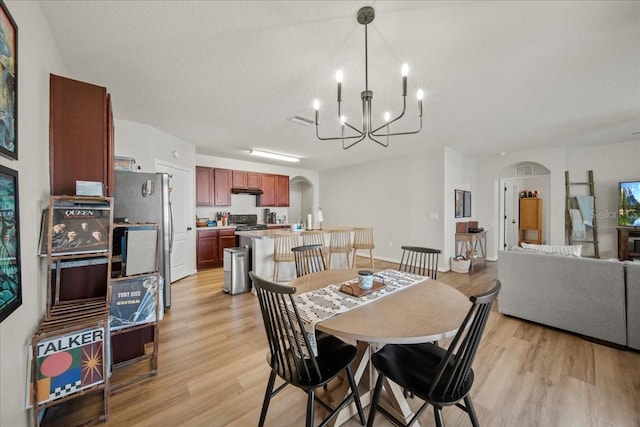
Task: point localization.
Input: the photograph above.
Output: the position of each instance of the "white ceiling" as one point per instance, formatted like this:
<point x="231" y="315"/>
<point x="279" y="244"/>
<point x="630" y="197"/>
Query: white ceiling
<point x="226" y="76"/>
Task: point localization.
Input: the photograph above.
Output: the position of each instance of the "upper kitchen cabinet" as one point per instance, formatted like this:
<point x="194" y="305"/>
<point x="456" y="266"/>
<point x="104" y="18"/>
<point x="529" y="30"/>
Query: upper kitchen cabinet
<point x="204" y="186"/>
<point x="80" y="135"/>
<point x="213" y="186"/>
<point x="222" y="179"/>
<point x="245" y="180"/>
<point x="239" y="179"/>
<point x="275" y="191"/>
<point x="254" y="180"/>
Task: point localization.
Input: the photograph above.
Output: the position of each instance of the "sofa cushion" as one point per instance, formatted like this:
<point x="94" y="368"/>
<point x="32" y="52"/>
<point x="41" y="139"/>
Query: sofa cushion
<point x="573" y="250"/>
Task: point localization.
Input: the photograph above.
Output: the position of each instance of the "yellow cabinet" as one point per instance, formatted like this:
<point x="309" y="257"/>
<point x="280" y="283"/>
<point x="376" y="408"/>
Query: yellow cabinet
<point x="530" y="221"/>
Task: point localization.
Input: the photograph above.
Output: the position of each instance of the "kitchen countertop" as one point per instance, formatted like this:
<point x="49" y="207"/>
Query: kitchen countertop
<point x="233" y="227"/>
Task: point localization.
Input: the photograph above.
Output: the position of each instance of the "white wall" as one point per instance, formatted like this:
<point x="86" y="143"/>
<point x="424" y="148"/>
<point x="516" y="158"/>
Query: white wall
<point x="610" y="163"/>
<point x="459" y="174"/>
<point x="395" y="196"/>
<point x="37" y="57"/>
<point x="147" y="144"/>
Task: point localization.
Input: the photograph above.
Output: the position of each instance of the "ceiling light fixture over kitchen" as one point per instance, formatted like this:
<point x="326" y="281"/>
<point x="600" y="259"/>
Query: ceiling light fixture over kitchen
<point x="273" y="156"/>
<point x="365" y="16"/>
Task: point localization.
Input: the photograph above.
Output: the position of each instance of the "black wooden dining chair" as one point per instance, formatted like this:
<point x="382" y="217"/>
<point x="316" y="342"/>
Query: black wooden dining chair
<point x="419" y="260"/>
<point x="440" y="377"/>
<point x="289" y="358"/>
<point x="308" y="259"/>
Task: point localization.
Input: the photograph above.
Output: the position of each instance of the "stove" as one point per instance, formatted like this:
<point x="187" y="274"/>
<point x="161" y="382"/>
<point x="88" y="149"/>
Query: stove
<point x="248" y="222"/>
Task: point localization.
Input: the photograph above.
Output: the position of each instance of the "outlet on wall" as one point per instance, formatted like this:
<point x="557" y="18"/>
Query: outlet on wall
<point x="390" y="243"/>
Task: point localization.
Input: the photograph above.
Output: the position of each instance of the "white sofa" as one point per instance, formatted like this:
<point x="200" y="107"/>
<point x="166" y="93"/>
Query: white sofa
<point x="581" y="295"/>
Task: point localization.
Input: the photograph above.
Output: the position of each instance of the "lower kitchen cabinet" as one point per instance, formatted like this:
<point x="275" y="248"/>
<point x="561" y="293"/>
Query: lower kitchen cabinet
<point x="210" y="246"/>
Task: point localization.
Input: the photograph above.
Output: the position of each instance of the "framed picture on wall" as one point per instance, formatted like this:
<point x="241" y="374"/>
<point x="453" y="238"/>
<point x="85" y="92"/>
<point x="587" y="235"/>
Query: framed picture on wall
<point x="466" y="204"/>
<point x="8" y="84"/>
<point x="459" y="203"/>
<point x="10" y="283"/>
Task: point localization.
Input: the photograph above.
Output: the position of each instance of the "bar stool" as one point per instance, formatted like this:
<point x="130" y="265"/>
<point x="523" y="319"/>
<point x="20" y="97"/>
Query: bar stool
<point x="282" y="245"/>
<point x="339" y="243"/>
<point x="315" y="237"/>
<point x="362" y="239"/>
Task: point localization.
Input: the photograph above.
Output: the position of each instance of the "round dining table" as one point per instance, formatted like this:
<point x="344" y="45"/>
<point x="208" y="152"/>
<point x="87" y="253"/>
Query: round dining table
<point x="427" y="311"/>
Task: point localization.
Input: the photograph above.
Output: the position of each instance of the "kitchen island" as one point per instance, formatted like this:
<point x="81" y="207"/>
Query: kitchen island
<point x="260" y="244"/>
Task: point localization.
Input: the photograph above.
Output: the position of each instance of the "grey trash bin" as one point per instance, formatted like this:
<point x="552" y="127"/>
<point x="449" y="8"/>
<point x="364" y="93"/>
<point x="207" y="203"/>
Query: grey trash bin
<point x="236" y="270"/>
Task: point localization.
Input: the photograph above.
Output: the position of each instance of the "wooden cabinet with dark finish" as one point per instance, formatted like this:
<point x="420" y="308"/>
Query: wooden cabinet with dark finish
<point x="207" y="253"/>
<point x="624" y="251"/>
<point x="282" y="190"/>
<point x="222" y="187"/>
<point x="268" y="196"/>
<point x="275" y="191"/>
<point x="254" y="180"/>
<point x="211" y="244"/>
<point x="80" y="135"/>
<point x="204" y="186"/>
<point x="239" y="179"/>
<point x="226" y="239"/>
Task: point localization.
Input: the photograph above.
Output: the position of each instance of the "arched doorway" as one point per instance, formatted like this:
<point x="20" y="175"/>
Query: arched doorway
<point x="301" y="202"/>
<point x="514" y="179"/>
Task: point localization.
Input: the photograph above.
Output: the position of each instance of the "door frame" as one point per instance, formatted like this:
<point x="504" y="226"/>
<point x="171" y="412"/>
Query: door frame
<point x="191" y="239"/>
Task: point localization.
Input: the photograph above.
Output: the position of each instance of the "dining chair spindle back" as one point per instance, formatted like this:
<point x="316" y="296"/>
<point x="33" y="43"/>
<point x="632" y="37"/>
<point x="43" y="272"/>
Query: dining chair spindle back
<point x="419" y="260"/>
<point x="308" y="259"/>
<point x="362" y="239"/>
<point x="440" y="377"/>
<point x="339" y="243"/>
<point x="282" y="245"/>
<point x="288" y="358"/>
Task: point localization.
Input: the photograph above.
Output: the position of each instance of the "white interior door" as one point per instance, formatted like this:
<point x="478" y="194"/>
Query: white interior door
<point x="180" y="194"/>
<point x="510" y="204"/>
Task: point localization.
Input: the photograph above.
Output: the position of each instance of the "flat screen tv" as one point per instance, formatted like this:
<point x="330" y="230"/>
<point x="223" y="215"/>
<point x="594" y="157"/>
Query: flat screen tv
<point x="629" y="204"/>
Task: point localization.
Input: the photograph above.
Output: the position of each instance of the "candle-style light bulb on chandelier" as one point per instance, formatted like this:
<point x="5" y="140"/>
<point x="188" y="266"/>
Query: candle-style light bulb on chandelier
<point x="365" y="17"/>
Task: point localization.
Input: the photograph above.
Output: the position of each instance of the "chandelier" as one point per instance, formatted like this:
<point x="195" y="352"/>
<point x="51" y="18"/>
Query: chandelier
<point x="365" y="16"/>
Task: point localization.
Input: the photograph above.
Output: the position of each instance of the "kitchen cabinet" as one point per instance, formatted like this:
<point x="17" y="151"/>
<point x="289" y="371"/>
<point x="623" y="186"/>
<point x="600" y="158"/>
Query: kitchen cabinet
<point x="204" y="186"/>
<point x="80" y="135"/>
<point x="211" y="245"/>
<point x="222" y="179"/>
<point x="226" y="239"/>
<point x="254" y="180"/>
<point x="239" y="179"/>
<point x="213" y="186"/>
<point x="243" y="179"/>
<point x="275" y="191"/>
<point x="207" y="253"/>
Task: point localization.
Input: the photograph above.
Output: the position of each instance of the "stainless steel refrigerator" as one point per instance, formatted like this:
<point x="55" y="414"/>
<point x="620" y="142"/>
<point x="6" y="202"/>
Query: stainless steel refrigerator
<point x="144" y="197"/>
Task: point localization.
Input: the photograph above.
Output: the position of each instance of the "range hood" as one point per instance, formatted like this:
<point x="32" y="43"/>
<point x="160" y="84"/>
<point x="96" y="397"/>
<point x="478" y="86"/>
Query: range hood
<point x="251" y="191"/>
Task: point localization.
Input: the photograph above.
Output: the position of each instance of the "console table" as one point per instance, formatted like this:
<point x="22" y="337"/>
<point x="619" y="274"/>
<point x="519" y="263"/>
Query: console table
<point x="467" y="245"/>
<point x="623" y="243"/>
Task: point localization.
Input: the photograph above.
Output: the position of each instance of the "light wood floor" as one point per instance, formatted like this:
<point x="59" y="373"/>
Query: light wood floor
<point x="212" y="369"/>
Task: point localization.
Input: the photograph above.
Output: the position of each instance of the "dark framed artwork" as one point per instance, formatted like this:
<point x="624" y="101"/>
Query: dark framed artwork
<point x="10" y="283"/>
<point x="8" y="84"/>
<point x="459" y="203"/>
<point x="466" y="204"/>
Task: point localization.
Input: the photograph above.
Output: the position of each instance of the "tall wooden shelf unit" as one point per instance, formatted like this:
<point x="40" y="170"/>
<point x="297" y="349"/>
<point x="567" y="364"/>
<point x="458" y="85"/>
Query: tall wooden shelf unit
<point x="78" y="274"/>
<point x="134" y="340"/>
<point x="530" y="220"/>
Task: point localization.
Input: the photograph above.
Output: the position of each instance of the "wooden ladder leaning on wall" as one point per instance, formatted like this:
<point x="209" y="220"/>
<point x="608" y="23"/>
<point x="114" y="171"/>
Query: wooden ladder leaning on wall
<point x="571" y="203"/>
